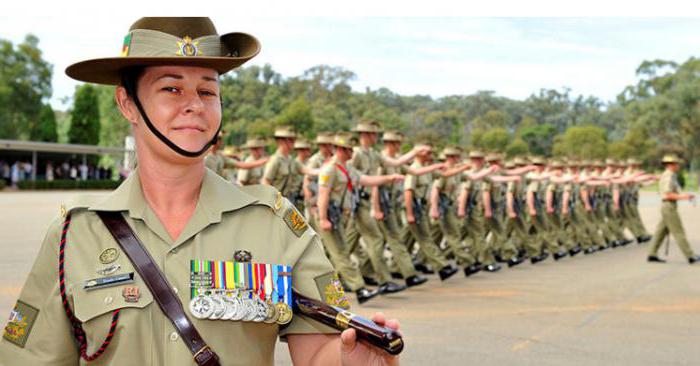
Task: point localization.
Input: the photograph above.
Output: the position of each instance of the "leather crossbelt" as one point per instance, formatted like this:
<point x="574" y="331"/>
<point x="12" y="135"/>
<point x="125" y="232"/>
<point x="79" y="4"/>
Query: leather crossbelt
<point x="160" y="288"/>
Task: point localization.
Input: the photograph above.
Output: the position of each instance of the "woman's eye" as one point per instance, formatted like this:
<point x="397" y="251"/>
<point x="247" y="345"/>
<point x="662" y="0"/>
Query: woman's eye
<point x="170" y="89"/>
<point x="207" y="93"/>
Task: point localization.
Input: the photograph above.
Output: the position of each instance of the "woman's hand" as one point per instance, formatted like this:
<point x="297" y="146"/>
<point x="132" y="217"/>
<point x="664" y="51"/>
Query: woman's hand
<point x="354" y="353"/>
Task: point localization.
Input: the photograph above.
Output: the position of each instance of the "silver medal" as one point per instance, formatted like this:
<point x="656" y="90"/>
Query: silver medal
<point x="261" y="311"/>
<point x="201" y="307"/>
<point x="251" y="310"/>
<point x="219" y="307"/>
<point x="231" y="307"/>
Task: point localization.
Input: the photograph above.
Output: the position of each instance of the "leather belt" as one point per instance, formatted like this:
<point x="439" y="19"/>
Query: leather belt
<point x="160" y="288"/>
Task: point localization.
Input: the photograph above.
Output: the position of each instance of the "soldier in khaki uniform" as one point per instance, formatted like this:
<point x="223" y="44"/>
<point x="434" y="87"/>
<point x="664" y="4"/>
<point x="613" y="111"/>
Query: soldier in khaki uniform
<point x="324" y="141"/>
<point x="219" y="162"/>
<point x="416" y="193"/>
<point x="282" y="170"/>
<point x="517" y="224"/>
<point x="256" y="151"/>
<point x="302" y="148"/>
<point x="537" y="215"/>
<point x="337" y="184"/>
<point x="556" y="194"/>
<point x="181" y="212"/>
<point x="364" y="223"/>
<point x="670" y="223"/>
<point x="633" y="220"/>
<point x="443" y="209"/>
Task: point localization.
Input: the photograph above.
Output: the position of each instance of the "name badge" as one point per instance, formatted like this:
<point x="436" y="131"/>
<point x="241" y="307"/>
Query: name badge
<point x="109" y="281"/>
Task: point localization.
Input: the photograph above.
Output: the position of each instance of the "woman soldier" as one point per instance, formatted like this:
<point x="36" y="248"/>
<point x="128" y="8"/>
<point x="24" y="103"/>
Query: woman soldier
<point x="83" y="294"/>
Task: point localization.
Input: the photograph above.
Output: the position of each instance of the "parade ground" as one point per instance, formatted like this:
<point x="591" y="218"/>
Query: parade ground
<point x="609" y="308"/>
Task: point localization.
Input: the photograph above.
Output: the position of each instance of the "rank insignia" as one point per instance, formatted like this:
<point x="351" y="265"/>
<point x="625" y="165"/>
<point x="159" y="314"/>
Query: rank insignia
<point x="242" y="256"/>
<point x="295" y="221"/>
<point x="331" y="290"/>
<point x="131" y="294"/>
<point x="278" y="201"/>
<point x="111" y="269"/>
<point x="323" y="179"/>
<point x="187" y="47"/>
<point x="20" y="324"/>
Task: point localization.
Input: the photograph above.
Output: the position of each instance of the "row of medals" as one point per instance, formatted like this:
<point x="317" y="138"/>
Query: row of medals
<point x="237" y="306"/>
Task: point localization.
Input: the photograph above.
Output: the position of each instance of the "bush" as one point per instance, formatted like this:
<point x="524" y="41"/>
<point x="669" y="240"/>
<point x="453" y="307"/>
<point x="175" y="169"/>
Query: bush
<point x="2" y="184"/>
<point x="68" y="184"/>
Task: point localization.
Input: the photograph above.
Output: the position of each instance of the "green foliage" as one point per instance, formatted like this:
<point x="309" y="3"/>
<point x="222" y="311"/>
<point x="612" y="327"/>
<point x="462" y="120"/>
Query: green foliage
<point x="496" y="139"/>
<point x="85" y="117"/>
<point x="46" y="129"/>
<point x="298" y="114"/>
<point x="62" y="184"/>
<point x="539" y="138"/>
<point x="582" y="142"/>
<point x="517" y="148"/>
<point x="25" y="84"/>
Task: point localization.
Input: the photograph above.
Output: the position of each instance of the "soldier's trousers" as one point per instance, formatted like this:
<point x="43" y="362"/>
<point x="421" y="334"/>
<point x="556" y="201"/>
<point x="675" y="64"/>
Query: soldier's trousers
<point x="517" y="230"/>
<point x="429" y="250"/>
<point x="364" y="225"/>
<point x="603" y="224"/>
<point x="336" y="246"/>
<point x="392" y="232"/>
<point x="632" y="221"/>
<point x="476" y="235"/>
<point x="588" y="230"/>
<point x="552" y="225"/>
<point x="499" y="241"/>
<point x="670" y="224"/>
<point x="452" y="231"/>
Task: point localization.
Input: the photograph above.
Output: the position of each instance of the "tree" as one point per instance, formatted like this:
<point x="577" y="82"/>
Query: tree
<point x="298" y="115"/>
<point x="45" y="130"/>
<point x="85" y="116"/>
<point x="539" y="138"/>
<point x="25" y="85"/>
<point x="517" y="148"/>
<point x="582" y="142"/>
<point x="495" y="139"/>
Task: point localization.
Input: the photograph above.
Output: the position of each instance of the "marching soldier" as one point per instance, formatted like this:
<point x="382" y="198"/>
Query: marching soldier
<point x="256" y="151"/>
<point x="633" y="221"/>
<point x="219" y="163"/>
<point x="538" y="216"/>
<point x="671" y="223"/>
<point x="324" y="141"/>
<point x="338" y="185"/>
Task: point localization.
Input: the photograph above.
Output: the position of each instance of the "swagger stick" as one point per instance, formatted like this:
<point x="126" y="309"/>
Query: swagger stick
<point x="387" y="339"/>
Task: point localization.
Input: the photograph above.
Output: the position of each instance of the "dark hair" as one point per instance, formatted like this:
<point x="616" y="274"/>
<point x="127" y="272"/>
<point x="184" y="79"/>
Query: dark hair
<point x="130" y="78"/>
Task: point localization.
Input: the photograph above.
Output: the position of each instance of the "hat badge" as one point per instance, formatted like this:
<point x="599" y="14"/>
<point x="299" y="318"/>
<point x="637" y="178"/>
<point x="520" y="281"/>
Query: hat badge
<point x="187" y="47"/>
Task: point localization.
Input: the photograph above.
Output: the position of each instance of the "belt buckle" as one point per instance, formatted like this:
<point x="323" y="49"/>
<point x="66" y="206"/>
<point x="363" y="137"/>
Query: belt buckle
<point x="201" y="350"/>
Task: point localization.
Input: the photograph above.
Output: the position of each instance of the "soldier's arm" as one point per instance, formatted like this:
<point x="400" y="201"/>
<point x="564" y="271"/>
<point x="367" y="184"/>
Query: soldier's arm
<point x="510" y="203"/>
<point x="586" y="198"/>
<point x="616" y="198"/>
<point x="374" y="201"/>
<point x="270" y="172"/>
<point x="486" y="199"/>
<point x="455" y="170"/>
<point x="462" y="201"/>
<point x="531" y="202"/>
<point x="482" y="173"/>
<point x="434" y="198"/>
<point x="379" y="180"/>
<point x="565" y="202"/>
<point x="39" y="332"/>
<point x="408" y="203"/>
<point x="549" y="199"/>
<point x="504" y="179"/>
<point x="424" y="169"/>
<point x="231" y="163"/>
<point x="405" y="158"/>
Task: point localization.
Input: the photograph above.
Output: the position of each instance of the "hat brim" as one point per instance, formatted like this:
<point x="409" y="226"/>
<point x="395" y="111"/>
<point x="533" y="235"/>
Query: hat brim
<point x="108" y="70"/>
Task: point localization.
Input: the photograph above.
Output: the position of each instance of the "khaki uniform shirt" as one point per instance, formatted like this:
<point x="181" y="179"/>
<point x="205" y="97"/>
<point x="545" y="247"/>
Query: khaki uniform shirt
<point x="218" y="163"/>
<point x="367" y="161"/>
<point x="227" y="218"/>
<point x="396" y="189"/>
<point x="419" y="184"/>
<point x="333" y="178"/>
<point x="449" y="186"/>
<point x="668" y="183"/>
<point x="280" y="171"/>
<point x="250" y="176"/>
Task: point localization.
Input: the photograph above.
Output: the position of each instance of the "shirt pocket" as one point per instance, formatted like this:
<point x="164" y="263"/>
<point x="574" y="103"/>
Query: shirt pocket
<point x="89" y="305"/>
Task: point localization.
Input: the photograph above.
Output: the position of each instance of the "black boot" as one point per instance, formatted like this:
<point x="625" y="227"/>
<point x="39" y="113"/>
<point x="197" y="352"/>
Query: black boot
<point x="539" y="258"/>
<point x="424" y="268"/>
<point x="694" y="259"/>
<point x="390" y="288"/>
<point x="447" y="272"/>
<point x="515" y="261"/>
<point x="474" y="268"/>
<point x="575" y="250"/>
<point x="590" y="250"/>
<point x="559" y="255"/>
<point x="364" y="295"/>
<point x="655" y="259"/>
<point x="415" y="280"/>
<point x="492" y="268"/>
<point x="370" y="281"/>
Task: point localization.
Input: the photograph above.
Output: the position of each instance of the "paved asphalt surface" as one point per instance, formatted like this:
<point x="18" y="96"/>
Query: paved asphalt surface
<point x="610" y="308"/>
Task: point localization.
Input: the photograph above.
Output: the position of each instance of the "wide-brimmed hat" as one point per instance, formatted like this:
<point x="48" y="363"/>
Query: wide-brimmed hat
<point x="452" y="151"/>
<point x="538" y="160"/>
<point x="253" y="143"/>
<point x="556" y="164"/>
<point x="177" y="41"/>
<point x="301" y="144"/>
<point x="395" y="136"/>
<point x="475" y="154"/>
<point x="493" y="157"/>
<point x="633" y="161"/>
<point x="520" y="160"/>
<point x="324" y="138"/>
<point x="344" y="139"/>
<point x="285" y="132"/>
<point x="367" y="126"/>
<point x="611" y="162"/>
<point x="671" y="159"/>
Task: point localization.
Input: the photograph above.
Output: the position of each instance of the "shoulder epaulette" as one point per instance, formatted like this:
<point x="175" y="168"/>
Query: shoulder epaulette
<point x="79" y="202"/>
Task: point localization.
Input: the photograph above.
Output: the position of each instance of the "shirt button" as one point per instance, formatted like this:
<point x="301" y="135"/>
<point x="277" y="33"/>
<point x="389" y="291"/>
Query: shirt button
<point x="174" y="336"/>
<point x="175" y="290"/>
<point x="108" y="300"/>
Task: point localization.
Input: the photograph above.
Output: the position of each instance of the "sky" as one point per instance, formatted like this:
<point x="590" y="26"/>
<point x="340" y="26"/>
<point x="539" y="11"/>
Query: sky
<point x="436" y="56"/>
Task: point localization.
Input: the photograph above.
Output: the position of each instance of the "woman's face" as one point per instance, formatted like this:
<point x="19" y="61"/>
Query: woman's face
<point x="183" y="104"/>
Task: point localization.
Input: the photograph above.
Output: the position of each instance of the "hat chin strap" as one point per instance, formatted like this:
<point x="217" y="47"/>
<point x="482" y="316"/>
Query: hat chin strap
<point x="170" y="144"/>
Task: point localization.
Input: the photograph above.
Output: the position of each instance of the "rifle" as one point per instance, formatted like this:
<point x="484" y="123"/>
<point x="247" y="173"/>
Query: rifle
<point x="385" y="205"/>
<point x="443" y="206"/>
<point x="334" y="213"/>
